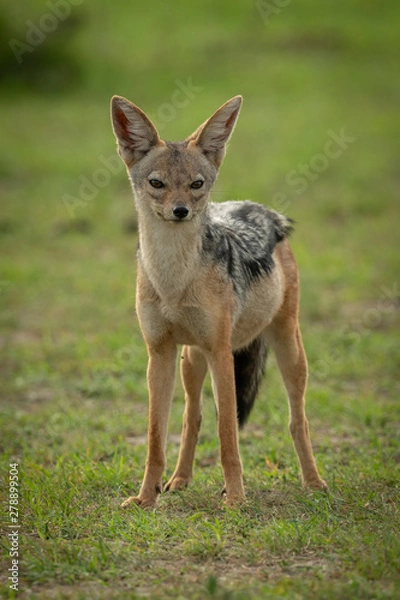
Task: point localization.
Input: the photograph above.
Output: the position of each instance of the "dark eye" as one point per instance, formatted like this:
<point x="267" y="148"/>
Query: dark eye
<point x="196" y="185"/>
<point x="156" y="183"/>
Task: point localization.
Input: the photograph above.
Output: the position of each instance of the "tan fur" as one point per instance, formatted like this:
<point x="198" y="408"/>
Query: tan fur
<point x="181" y="300"/>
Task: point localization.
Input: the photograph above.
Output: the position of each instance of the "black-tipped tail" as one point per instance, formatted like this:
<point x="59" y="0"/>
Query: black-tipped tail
<point x="249" y="370"/>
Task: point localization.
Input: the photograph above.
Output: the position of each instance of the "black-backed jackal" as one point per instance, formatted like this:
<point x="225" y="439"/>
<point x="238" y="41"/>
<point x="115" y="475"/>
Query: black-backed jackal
<point x="219" y="279"/>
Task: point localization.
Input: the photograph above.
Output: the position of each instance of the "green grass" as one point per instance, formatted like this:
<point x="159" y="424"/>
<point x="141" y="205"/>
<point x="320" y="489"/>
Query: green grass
<point x="72" y="370"/>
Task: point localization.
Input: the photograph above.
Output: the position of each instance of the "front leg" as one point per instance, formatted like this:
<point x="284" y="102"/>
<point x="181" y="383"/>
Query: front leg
<point x="160" y="378"/>
<point x="221" y="366"/>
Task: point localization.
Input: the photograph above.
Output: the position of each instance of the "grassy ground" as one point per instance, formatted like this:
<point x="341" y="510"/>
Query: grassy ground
<point x="74" y="398"/>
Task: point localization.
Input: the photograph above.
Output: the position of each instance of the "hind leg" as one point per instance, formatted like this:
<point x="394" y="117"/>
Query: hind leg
<point x="193" y="372"/>
<point x="285" y="338"/>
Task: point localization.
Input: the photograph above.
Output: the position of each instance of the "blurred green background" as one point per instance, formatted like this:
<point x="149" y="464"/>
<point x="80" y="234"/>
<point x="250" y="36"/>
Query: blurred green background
<point x="73" y="361"/>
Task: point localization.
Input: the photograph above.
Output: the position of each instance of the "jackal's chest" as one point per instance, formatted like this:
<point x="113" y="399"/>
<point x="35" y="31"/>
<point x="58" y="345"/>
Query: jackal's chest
<point x="188" y="324"/>
<point x="184" y="323"/>
<point x="189" y="314"/>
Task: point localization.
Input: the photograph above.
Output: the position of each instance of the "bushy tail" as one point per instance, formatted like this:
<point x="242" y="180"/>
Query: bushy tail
<point x="249" y="370"/>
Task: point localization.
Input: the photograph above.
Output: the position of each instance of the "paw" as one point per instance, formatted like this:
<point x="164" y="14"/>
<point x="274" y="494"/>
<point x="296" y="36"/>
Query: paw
<point x="233" y="500"/>
<point x="317" y="484"/>
<point x="139" y="501"/>
<point x="177" y="483"/>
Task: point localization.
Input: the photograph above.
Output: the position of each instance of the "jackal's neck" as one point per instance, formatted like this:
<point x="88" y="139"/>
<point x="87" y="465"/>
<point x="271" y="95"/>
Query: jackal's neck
<point x="170" y="254"/>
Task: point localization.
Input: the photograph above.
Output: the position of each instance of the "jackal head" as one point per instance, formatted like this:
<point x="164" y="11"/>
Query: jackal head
<point x="172" y="180"/>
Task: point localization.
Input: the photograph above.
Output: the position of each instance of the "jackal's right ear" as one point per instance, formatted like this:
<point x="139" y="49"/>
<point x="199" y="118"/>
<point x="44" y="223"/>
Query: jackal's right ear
<point x="135" y="133"/>
<point x="213" y="135"/>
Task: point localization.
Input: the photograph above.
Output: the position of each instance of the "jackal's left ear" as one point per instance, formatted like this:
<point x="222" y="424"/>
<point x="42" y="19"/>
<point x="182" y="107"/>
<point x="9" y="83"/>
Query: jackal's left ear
<point x="135" y="133"/>
<point x="214" y="134"/>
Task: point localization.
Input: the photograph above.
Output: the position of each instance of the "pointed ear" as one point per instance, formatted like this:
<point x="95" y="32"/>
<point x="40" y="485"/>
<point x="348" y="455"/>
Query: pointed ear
<point x="213" y="135"/>
<point x="135" y="133"/>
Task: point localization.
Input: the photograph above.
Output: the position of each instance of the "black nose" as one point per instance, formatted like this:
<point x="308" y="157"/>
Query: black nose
<point x="180" y="211"/>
